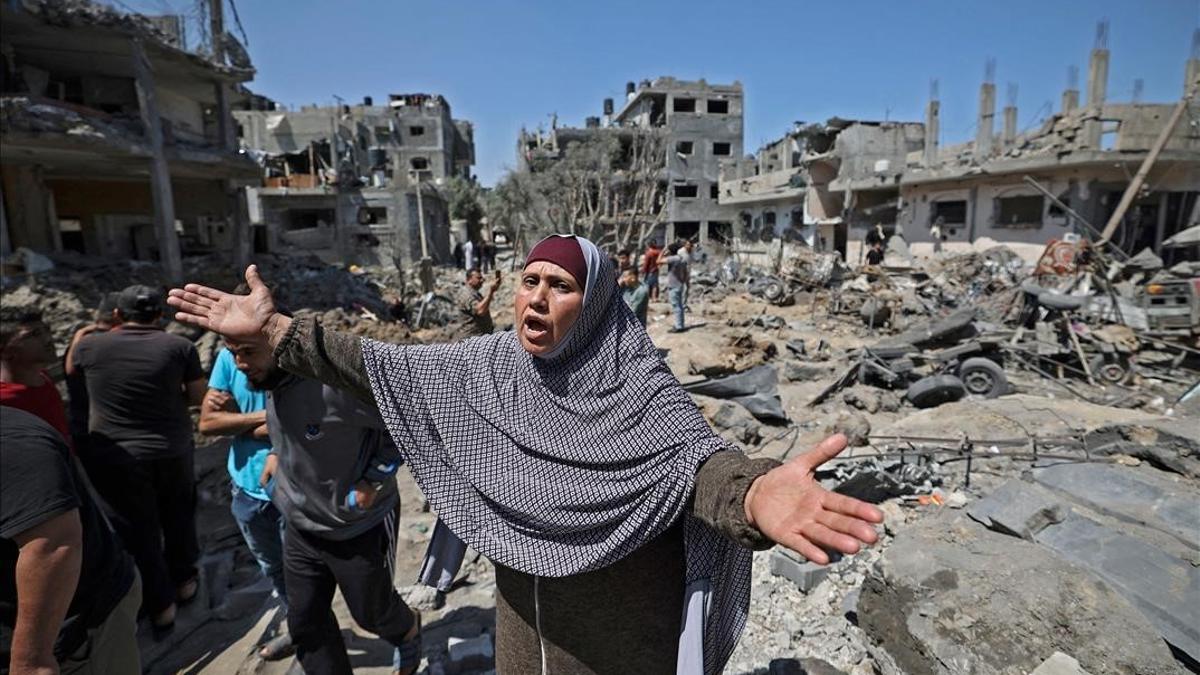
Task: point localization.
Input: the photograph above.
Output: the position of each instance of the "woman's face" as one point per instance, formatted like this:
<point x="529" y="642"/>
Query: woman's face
<point x="547" y="304"/>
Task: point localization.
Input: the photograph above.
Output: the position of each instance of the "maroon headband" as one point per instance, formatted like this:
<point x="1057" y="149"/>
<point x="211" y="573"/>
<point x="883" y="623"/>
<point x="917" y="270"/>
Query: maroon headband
<point x="564" y="252"/>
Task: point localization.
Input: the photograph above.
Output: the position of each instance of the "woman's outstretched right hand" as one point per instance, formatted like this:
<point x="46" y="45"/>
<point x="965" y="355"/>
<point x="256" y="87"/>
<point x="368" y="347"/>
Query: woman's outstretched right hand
<point x="244" y="318"/>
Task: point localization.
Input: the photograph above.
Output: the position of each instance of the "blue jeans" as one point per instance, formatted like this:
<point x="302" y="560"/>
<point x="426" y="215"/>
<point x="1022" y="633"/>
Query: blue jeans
<point x="262" y="527"/>
<point x="676" y="295"/>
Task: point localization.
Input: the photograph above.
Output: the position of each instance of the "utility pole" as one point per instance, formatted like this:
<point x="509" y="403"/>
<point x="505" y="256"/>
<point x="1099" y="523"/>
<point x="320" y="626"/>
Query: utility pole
<point x="426" y="267"/>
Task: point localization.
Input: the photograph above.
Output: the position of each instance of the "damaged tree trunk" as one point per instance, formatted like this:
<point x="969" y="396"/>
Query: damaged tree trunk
<point x="160" y="174"/>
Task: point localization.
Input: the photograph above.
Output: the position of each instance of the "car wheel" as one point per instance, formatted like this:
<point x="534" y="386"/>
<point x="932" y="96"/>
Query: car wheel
<point x="983" y="377"/>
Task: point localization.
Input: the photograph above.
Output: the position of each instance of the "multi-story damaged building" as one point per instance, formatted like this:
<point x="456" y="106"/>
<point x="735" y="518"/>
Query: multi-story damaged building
<point x="116" y="141"/>
<point x="356" y="183"/>
<point x="832" y="184"/>
<point x="700" y="125"/>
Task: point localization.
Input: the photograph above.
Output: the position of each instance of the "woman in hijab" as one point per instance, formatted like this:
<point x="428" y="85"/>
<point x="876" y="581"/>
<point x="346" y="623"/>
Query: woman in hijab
<point x="566" y="452"/>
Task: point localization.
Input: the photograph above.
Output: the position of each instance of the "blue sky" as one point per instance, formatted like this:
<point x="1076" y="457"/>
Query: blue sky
<point x="503" y="64"/>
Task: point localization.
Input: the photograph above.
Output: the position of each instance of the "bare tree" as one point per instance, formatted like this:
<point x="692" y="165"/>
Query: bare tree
<point x="610" y="188"/>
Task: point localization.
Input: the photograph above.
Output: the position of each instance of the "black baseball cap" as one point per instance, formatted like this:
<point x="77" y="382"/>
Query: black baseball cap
<point x="140" y="300"/>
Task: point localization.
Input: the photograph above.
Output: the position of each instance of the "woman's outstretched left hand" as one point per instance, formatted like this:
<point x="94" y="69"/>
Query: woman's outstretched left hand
<point x="790" y="507"/>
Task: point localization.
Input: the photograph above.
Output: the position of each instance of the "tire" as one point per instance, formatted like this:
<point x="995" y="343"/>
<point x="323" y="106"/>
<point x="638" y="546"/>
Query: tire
<point x="1111" y="369"/>
<point x="932" y="391"/>
<point x="773" y="291"/>
<point x="983" y="377"/>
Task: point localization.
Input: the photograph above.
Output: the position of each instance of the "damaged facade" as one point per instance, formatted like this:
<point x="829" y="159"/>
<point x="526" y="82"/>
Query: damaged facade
<point x="699" y="124"/>
<point x="847" y="177"/>
<point x="120" y="145"/>
<point x="355" y="183"/>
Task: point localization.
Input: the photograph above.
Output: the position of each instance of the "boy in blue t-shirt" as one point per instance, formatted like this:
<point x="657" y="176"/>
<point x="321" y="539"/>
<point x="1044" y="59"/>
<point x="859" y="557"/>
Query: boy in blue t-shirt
<point x="236" y="405"/>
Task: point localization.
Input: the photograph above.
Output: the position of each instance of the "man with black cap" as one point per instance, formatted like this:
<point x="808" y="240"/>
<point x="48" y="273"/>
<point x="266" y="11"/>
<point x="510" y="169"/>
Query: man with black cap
<point x="140" y="382"/>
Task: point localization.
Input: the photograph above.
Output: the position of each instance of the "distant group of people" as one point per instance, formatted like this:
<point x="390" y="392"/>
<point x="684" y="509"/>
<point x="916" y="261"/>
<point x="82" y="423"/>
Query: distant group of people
<point x="475" y="254"/>
<point x="563" y="450"/>
<point x="639" y="292"/>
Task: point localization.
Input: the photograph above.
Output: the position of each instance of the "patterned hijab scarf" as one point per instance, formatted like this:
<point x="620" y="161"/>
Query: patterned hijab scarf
<point x="567" y="463"/>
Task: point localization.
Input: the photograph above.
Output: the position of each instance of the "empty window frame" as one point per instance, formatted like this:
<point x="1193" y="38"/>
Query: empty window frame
<point x="951" y="212"/>
<point x="416" y="131"/>
<point x="714" y="191"/>
<point x="419" y="163"/>
<point x="685" y="148"/>
<point x="1019" y="212"/>
<point x="720" y="232"/>
<point x="722" y="149"/>
<point x="684" y="105"/>
<point x="718" y="106"/>
<point x="1109" y="131"/>
<point x="686" y="190"/>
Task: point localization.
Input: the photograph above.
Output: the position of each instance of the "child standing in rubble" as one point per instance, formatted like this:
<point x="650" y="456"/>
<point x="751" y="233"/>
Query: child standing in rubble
<point x="535" y="449"/>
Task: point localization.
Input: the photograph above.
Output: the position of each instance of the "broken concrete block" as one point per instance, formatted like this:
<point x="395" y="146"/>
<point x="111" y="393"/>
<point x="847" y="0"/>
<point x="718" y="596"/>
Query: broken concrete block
<point x="806" y="575"/>
<point x="476" y="653"/>
<point x="950" y="596"/>
<point x="802" y="372"/>
<point x="855" y="425"/>
<point x="1059" y="664"/>
<point x="1019" y="509"/>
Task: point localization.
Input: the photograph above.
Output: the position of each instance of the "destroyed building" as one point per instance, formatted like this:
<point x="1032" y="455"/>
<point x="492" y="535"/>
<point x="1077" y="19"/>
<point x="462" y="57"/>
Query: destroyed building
<point x="116" y="141"/>
<point x="356" y="183"/>
<point x="700" y="125"/>
<point x="846" y="178"/>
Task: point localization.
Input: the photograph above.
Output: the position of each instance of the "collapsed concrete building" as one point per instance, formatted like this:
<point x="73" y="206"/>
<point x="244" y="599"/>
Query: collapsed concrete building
<point x="356" y="183"/>
<point x="832" y="184"/>
<point x="116" y="141"/>
<point x="701" y="125"/>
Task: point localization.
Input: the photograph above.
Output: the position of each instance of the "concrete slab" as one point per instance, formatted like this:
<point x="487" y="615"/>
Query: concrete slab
<point x="1018" y="508"/>
<point x="1161" y="586"/>
<point x="1144" y="497"/>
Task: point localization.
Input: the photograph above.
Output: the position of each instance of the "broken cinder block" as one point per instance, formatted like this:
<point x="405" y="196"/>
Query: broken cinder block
<point x="806" y="575"/>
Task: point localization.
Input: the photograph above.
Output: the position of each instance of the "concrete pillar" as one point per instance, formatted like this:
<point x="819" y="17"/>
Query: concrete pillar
<point x="1097" y="89"/>
<point x="160" y="173"/>
<point x="987" y="118"/>
<point x="1070" y="101"/>
<point x="1191" y="75"/>
<point x="1098" y="78"/>
<point x="1010" y="125"/>
<point x="931" y="133"/>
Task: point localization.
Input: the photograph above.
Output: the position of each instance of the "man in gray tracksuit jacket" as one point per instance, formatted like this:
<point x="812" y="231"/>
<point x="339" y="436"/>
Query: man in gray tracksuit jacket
<point x="333" y="475"/>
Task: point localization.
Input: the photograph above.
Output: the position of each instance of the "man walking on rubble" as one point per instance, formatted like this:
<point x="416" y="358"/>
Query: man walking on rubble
<point x="331" y="473"/>
<point x="140" y="382"/>
<point x="26" y="349"/>
<point x="677" y="261"/>
<point x="475" y="308"/>
<point x="236" y="405"/>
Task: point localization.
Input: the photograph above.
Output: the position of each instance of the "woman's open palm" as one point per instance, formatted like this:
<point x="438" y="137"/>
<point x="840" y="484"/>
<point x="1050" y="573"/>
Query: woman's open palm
<point x="238" y="317"/>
